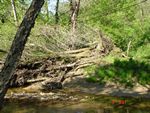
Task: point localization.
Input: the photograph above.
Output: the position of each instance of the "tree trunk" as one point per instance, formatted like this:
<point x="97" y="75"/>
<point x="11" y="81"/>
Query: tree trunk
<point x="17" y="46"/>
<point x="56" y="14"/>
<point x="74" y="4"/>
<point x="47" y="10"/>
<point x="14" y="11"/>
<point x="74" y="10"/>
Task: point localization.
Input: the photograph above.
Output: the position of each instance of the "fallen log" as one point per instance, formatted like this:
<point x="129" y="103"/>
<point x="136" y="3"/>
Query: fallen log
<point x="36" y="80"/>
<point x="83" y="66"/>
<point x="60" y="65"/>
<point x="78" y="51"/>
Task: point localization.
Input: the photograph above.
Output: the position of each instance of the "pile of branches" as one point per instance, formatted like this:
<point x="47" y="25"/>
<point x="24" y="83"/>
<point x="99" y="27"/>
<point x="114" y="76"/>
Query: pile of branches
<point x="52" y="71"/>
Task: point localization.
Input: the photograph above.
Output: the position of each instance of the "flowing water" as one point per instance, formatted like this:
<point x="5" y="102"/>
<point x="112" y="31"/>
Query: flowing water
<point x="99" y="104"/>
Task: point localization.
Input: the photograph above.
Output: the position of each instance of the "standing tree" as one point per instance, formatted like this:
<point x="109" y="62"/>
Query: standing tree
<point x="47" y="10"/>
<point x="17" y="46"/>
<point x="74" y="8"/>
<point x="56" y="13"/>
<point x="14" y="11"/>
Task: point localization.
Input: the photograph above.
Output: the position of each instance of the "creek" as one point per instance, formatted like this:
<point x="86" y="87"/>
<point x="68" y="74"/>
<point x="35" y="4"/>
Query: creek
<point x="84" y="104"/>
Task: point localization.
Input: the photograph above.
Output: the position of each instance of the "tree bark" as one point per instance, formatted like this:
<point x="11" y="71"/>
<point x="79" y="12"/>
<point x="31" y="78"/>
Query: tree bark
<point x="56" y="14"/>
<point x="47" y="10"/>
<point x="14" y="11"/>
<point x="17" y="47"/>
<point x="128" y="48"/>
<point x="74" y="8"/>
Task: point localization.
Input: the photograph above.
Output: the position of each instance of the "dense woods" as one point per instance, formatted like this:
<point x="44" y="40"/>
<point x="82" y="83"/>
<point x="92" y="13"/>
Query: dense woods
<point x="103" y="42"/>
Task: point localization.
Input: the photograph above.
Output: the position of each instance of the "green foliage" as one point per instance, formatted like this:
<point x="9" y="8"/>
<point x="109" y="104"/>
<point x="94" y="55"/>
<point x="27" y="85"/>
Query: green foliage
<point x="4" y="9"/>
<point x="7" y="32"/>
<point x="120" y="20"/>
<point x="142" y="53"/>
<point x="127" y="72"/>
<point x="64" y="19"/>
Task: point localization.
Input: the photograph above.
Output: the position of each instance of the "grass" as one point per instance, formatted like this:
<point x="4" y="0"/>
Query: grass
<point x="142" y="53"/>
<point x="125" y="72"/>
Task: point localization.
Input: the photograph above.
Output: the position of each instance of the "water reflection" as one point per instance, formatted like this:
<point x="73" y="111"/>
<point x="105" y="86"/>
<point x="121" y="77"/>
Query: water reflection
<point x="75" y="108"/>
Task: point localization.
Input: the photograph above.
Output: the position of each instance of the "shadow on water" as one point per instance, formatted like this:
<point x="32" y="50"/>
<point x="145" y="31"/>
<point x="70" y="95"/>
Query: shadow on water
<point x="92" y="107"/>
